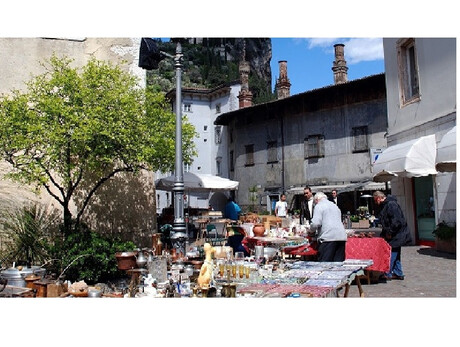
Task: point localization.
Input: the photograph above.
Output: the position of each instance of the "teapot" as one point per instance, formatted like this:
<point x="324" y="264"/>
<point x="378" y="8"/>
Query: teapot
<point x="141" y="260"/>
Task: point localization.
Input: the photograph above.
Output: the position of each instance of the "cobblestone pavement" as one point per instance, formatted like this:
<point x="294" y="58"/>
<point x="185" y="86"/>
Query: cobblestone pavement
<point x="428" y="274"/>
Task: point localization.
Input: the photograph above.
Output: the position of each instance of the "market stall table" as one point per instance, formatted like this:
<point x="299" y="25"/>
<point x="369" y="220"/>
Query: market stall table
<point x="374" y="248"/>
<point x="309" y="279"/>
<point x="278" y="242"/>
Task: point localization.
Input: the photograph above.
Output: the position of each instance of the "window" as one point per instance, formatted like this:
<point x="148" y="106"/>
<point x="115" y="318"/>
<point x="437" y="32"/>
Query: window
<point x="205" y="128"/>
<point x="249" y="155"/>
<point x="408" y="71"/>
<point x="360" y="139"/>
<point x="272" y="152"/>
<point x="314" y="146"/>
<point x="187" y="107"/>
<point x="217" y="108"/>
<point x="232" y="161"/>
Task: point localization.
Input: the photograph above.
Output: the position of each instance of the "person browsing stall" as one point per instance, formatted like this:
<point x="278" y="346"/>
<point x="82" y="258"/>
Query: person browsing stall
<point x="281" y="207"/>
<point x="232" y="210"/>
<point x="329" y="229"/>
<point x="394" y="231"/>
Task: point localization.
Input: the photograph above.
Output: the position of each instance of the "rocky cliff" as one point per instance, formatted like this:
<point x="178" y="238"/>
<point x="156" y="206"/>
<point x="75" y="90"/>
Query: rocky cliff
<point x="209" y="62"/>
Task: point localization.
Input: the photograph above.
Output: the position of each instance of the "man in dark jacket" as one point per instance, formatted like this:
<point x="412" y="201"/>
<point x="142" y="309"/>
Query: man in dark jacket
<point x="394" y="230"/>
<point x="307" y="206"/>
<point x="336" y="199"/>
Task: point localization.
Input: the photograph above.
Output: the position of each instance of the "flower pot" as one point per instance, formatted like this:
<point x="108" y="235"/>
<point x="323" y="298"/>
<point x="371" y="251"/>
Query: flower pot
<point x="448" y="246"/>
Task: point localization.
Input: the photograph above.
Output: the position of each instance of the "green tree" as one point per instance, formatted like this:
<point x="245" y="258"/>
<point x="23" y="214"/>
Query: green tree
<point x="74" y="123"/>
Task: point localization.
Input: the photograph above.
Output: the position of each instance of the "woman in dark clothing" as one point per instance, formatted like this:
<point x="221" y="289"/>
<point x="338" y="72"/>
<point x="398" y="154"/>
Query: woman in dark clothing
<point x="394" y="230"/>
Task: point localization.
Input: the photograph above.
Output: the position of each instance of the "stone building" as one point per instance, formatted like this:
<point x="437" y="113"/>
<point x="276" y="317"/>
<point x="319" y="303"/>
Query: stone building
<point x="323" y="138"/>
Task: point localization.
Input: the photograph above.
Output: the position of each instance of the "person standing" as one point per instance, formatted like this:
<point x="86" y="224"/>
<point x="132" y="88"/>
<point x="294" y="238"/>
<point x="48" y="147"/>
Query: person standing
<point x="232" y="210"/>
<point x="330" y="232"/>
<point x="306" y="206"/>
<point x="394" y="230"/>
<point x="336" y="199"/>
<point x="281" y="207"/>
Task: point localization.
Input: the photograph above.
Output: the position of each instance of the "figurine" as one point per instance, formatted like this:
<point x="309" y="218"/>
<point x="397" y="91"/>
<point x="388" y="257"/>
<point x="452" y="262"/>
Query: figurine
<point x="170" y="289"/>
<point x="206" y="272"/>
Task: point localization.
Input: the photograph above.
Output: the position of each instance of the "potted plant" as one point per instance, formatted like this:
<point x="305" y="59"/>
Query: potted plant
<point x="445" y="237"/>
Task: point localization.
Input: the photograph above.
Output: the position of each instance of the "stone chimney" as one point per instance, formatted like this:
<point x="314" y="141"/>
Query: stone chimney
<point x="245" y="95"/>
<point x="283" y="85"/>
<point x="339" y="66"/>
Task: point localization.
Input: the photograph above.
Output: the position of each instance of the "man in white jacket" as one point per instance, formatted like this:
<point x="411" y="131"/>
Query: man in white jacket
<point x="330" y="232"/>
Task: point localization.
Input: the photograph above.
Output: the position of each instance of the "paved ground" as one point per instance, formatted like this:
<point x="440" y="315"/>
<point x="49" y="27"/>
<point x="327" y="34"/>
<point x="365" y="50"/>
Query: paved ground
<point x="428" y="274"/>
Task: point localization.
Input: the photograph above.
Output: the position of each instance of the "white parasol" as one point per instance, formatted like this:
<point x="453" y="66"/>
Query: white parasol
<point x="194" y="182"/>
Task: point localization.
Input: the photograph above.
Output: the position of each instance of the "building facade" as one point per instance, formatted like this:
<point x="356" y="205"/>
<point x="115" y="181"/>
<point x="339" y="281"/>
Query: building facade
<point x="202" y="107"/>
<point x="322" y="138"/>
<point x="421" y="100"/>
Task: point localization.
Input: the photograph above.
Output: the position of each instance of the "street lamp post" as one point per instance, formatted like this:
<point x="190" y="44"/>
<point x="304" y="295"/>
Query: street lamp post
<point x="149" y="57"/>
<point x="179" y="236"/>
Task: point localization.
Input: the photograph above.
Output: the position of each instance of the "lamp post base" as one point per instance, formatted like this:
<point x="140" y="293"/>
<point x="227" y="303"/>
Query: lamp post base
<point x="178" y="240"/>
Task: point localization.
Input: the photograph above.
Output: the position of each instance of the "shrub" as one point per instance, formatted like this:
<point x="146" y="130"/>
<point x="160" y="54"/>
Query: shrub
<point x="86" y="255"/>
<point x="27" y="232"/>
<point x="444" y="231"/>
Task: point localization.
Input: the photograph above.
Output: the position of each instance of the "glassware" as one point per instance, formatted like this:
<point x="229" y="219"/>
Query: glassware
<point x="247" y="270"/>
<point x="233" y="265"/>
<point x="241" y="269"/>
<point x="221" y="265"/>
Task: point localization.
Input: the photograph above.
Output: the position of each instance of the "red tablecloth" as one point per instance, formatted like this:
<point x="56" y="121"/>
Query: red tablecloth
<point x="374" y="248"/>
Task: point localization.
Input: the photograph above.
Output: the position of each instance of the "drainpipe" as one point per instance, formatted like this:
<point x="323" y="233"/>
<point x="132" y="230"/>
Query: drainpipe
<point x="282" y="154"/>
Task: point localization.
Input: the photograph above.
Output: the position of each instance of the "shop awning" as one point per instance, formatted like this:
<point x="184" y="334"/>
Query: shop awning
<point x="341" y="188"/>
<point x="366" y="185"/>
<point x="446" y="158"/>
<point x="413" y="158"/>
<point x="322" y="188"/>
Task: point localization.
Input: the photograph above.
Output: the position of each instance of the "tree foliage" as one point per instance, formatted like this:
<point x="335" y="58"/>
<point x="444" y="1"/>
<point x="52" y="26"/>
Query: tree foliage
<point x="73" y="123"/>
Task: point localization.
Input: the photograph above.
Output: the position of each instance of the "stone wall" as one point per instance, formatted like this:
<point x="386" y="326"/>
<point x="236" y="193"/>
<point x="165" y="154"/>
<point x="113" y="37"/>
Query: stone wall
<point x="125" y="206"/>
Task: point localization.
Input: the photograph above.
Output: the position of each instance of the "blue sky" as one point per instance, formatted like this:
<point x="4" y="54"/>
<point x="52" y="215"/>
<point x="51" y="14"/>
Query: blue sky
<point x="309" y="60"/>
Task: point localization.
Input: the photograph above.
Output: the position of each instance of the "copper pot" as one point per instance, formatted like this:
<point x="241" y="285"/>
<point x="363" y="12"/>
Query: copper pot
<point x="258" y="230"/>
<point x="126" y="260"/>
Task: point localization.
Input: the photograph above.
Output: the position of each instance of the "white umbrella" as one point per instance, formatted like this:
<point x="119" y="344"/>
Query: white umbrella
<point x="446" y="157"/>
<point x="194" y="182"/>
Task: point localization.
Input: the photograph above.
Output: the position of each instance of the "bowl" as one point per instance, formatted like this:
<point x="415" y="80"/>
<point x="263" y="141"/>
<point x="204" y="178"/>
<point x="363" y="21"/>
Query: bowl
<point x="270" y="252"/>
<point x="94" y="293"/>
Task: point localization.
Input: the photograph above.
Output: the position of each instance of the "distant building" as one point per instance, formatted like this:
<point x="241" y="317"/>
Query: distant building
<point x="322" y="138"/>
<point x="202" y="106"/>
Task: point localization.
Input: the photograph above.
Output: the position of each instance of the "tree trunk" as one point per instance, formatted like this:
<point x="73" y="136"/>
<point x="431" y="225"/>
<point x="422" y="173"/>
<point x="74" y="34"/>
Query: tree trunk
<point x="67" y="220"/>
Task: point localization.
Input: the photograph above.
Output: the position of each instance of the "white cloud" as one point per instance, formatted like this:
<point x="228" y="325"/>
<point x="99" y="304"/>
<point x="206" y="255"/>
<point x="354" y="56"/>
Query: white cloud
<point x="324" y="42"/>
<point x="356" y="49"/>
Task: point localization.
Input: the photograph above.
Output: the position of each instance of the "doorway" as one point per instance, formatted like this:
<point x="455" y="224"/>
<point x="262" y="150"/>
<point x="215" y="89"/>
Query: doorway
<point x="424" y="208"/>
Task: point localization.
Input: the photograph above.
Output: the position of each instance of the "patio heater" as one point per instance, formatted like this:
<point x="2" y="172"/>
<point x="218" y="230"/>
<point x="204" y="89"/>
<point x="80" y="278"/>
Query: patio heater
<point x="149" y="57"/>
